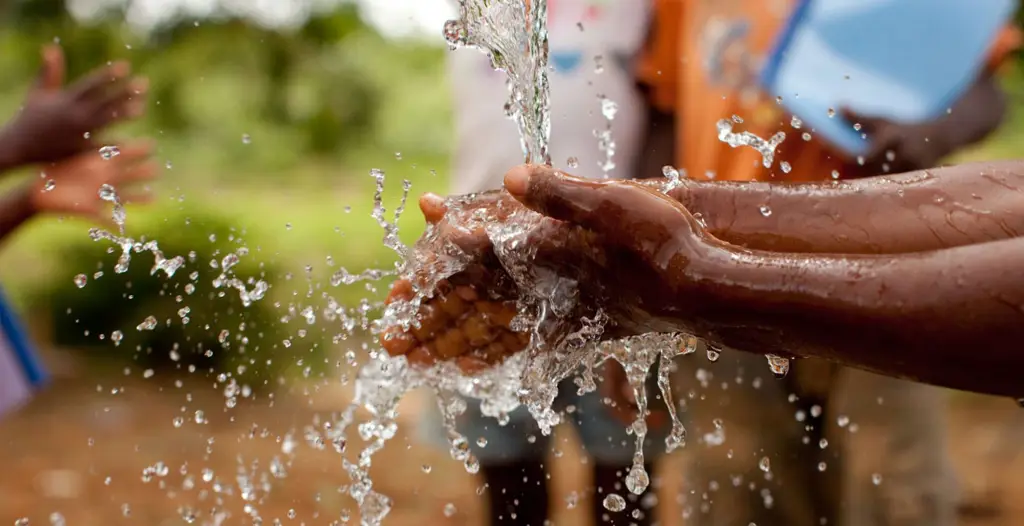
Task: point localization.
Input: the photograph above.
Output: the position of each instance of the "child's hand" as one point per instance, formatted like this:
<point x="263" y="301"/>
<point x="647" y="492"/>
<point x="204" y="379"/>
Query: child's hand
<point x="57" y="122"/>
<point x="72" y="186"/>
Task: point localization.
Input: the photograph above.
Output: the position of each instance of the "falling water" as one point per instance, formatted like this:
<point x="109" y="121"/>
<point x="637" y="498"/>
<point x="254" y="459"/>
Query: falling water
<point x="490" y="26"/>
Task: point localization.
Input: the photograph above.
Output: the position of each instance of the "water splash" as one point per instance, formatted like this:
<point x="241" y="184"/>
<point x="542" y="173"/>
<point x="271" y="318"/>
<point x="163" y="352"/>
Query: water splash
<point x="766" y="148"/>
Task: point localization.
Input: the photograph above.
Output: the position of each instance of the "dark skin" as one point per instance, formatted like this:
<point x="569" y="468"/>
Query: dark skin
<point x="58" y="121"/>
<point x="903" y="147"/>
<point x="923" y="280"/>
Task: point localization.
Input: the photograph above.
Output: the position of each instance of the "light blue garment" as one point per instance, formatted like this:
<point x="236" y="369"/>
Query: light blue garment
<point x="904" y="60"/>
<point x="21" y="372"/>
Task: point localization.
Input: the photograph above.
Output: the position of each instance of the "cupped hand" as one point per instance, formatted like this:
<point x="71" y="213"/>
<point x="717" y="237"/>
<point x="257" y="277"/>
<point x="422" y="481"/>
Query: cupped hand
<point x="629" y="246"/>
<point x="56" y="122"/>
<point x="72" y="186"/>
<point x="467" y="317"/>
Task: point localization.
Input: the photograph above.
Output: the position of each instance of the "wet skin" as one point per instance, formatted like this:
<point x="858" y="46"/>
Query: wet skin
<point x="911" y="276"/>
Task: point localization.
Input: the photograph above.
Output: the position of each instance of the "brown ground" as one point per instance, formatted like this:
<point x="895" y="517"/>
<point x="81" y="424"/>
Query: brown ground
<point x="81" y="449"/>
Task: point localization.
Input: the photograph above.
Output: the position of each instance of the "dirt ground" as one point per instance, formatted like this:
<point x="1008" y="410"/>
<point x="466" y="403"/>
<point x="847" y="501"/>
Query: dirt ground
<point x="90" y="452"/>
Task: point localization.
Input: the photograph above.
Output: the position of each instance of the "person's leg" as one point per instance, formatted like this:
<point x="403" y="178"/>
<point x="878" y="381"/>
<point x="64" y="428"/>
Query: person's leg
<point x="740" y="414"/>
<point x="605" y="438"/>
<point x="898" y="470"/>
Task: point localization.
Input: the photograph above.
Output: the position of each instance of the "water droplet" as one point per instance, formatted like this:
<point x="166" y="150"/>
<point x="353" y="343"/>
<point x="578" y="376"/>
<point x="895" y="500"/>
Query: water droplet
<point x="876" y="479"/>
<point x="81" y="280"/>
<point x="109" y="152"/>
<point x="572" y="162"/>
<point x="147" y="324"/>
<point x="398" y="156"/>
<point x="637" y="480"/>
<point x="786" y="168"/>
<point x="108" y="193"/>
<point x="806" y="136"/>
<point x="713" y="355"/>
<point x="857" y="126"/>
<point x="50" y="185"/>
<point x="822" y="466"/>
<point x="449" y="510"/>
<point x="482" y="442"/>
<point x="778" y="364"/>
<point x="116" y="337"/>
<point x="246" y="139"/>
<point x="835" y="174"/>
<point x="737" y="119"/>
<point x="614" y="503"/>
<point x="796" y="123"/>
<point x="598" y="64"/>
<point x="823" y="443"/>
<point x="426" y="468"/>
<point x="21" y="522"/>
<point x="609" y="108"/>
<point x="765" y="464"/>
<point x="843" y="420"/>
<point x="831" y="113"/>
<point x="815" y="410"/>
<point x="765" y="210"/>
<point x="178" y="421"/>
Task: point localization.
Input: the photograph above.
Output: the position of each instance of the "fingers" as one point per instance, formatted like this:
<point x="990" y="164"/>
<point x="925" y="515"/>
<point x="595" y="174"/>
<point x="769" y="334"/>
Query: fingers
<point x="134" y="152"/>
<point x="100" y="80"/>
<point x="626" y="213"/>
<point x="433" y="207"/>
<point x="125" y="102"/>
<point x="51" y="75"/>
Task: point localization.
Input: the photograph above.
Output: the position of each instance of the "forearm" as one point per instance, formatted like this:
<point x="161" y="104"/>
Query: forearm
<point x="903" y="213"/>
<point x="16" y="208"/>
<point x="952" y="318"/>
<point x="974" y="116"/>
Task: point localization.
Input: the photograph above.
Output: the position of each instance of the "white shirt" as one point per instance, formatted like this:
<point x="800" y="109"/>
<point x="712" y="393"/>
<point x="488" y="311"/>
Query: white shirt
<point x="487" y="142"/>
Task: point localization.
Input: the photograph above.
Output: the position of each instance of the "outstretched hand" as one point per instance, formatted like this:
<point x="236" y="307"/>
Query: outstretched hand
<point x="630" y="247"/>
<point x="72" y="186"/>
<point x="57" y="122"/>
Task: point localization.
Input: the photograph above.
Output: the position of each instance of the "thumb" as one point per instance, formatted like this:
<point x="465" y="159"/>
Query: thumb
<point x="625" y="213"/>
<point x="51" y="74"/>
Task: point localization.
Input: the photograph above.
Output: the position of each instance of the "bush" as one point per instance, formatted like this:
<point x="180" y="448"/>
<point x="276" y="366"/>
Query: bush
<point x="182" y="322"/>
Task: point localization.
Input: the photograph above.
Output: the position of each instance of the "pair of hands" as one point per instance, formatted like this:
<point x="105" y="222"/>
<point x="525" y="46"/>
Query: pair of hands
<point x="628" y="243"/>
<point x="57" y="129"/>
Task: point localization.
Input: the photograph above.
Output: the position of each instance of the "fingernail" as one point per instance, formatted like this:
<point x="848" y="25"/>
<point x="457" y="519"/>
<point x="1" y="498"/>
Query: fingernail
<point x="431" y="200"/>
<point x="517" y="181"/>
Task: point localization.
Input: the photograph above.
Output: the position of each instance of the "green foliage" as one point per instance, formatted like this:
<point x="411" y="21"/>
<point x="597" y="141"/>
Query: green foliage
<point x="198" y="325"/>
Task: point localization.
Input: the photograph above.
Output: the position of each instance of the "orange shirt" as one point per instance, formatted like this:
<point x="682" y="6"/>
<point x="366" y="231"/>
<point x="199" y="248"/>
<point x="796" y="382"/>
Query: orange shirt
<point x="703" y="64"/>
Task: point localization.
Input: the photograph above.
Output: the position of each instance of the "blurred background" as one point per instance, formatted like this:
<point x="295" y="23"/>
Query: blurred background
<point x="269" y="115"/>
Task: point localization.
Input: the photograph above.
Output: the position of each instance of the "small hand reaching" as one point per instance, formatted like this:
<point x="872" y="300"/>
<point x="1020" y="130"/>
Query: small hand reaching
<point x="56" y="122"/>
<point x="72" y="186"/>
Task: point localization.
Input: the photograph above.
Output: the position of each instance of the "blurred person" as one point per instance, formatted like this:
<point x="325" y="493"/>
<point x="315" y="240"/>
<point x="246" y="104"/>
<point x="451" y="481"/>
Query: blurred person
<point x="822" y="471"/>
<point x="592" y="51"/>
<point x="55" y="130"/>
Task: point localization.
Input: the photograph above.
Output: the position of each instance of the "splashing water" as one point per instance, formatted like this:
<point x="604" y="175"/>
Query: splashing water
<point x="766" y="148"/>
<point x="513" y="33"/>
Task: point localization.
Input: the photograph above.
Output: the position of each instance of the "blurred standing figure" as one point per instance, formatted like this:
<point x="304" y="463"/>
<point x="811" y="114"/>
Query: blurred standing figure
<point x="843" y="447"/>
<point x="592" y="48"/>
